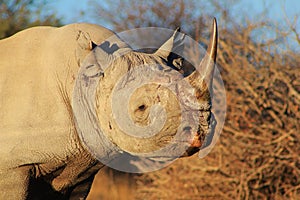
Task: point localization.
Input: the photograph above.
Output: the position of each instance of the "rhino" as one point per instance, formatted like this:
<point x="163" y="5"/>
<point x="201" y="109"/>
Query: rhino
<point x="57" y="129"/>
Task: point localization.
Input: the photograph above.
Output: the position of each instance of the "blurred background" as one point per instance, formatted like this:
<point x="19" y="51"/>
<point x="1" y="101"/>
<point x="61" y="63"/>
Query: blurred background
<point x="257" y="155"/>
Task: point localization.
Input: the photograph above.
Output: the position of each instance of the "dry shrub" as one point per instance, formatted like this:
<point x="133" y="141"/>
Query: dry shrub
<point x="257" y="156"/>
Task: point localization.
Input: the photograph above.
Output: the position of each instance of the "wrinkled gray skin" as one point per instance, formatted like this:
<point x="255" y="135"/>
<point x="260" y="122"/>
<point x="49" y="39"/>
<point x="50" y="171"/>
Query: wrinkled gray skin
<point x="42" y="156"/>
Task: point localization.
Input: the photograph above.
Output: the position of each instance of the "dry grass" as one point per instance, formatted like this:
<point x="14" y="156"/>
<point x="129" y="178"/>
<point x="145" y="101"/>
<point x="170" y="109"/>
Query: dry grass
<point x="257" y="156"/>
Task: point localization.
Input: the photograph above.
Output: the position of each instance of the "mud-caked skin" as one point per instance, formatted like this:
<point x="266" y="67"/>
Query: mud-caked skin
<point x="42" y="156"/>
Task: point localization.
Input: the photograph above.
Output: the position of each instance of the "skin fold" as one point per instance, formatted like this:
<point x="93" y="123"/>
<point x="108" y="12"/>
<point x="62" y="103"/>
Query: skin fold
<point x="42" y="156"/>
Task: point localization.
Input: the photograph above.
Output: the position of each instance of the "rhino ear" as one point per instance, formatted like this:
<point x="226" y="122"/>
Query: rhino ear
<point x="172" y="48"/>
<point x="103" y="56"/>
<point x="107" y="51"/>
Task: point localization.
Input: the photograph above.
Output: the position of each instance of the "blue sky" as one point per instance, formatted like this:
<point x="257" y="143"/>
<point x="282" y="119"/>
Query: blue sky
<point x="70" y="10"/>
<point x="276" y="11"/>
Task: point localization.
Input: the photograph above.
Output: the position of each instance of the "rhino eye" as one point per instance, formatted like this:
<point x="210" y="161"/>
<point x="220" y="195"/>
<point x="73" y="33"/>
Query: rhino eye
<point x="142" y="107"/>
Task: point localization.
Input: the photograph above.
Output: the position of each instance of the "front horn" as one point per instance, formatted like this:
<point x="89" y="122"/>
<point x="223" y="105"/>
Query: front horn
<point x="207" y="65"/>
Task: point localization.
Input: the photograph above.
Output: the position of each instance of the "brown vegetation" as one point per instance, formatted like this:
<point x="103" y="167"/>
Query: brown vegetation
<point x="257" y="155"/>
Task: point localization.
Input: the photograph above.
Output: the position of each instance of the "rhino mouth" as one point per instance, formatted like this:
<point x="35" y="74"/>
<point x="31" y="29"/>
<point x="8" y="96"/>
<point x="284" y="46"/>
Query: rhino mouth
<point x="194" y="141"/>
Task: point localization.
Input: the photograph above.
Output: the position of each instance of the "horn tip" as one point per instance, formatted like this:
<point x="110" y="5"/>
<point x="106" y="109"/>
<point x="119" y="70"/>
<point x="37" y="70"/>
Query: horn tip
<point x="212" y="49"/>
<point x="215" y="21"/>
<point x="215" y="26"/>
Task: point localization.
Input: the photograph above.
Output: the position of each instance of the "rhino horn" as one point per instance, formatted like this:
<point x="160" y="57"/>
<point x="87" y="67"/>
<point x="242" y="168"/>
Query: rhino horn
<point x="207" y="65"/>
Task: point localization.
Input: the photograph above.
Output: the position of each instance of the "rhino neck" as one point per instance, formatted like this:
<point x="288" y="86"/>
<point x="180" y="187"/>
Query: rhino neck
<point x="86" y="121"/>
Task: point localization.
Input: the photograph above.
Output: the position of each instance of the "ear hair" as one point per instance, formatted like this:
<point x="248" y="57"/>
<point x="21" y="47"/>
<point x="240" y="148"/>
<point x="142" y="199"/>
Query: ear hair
<point x="175" y="61"/>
